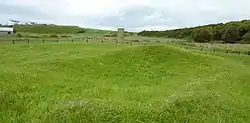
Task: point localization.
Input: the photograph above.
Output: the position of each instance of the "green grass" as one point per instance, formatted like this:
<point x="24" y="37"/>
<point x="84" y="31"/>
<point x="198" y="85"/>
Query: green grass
<point x="96" y="32"/>
<point x="108" y="83"/>
<point x="39" y="30"/>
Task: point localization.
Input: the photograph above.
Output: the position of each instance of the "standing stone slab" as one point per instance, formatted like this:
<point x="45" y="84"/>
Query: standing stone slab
<point x="120" y="35"/>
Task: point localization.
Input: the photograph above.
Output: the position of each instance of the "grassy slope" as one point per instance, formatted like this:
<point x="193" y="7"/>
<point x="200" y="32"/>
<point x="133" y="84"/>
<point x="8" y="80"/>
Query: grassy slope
<point x="39" y="28"/>
<point x="57" y="29"/>
<point x="94" y="83"/>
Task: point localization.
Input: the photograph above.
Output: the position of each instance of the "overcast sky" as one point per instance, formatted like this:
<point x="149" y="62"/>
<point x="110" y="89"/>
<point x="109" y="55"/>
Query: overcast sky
<point x="134" y="15"/>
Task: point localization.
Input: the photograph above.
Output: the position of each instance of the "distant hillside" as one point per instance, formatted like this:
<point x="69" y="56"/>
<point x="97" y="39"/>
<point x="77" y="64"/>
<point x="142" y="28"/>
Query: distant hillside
<point x="41" y="28"/>
<point x="231" y="32"/>
<point x="57" y="29"/>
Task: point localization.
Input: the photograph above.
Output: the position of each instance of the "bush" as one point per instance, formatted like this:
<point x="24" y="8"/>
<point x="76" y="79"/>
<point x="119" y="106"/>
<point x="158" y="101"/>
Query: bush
<point x="231" y="34"/>
<point x="106" y="35"/>
<point x="201" y="35"/>
<point x="65" y="36"/>
<point x="246" y="38"/>
<point x="34" y="36"/>
<point x="53" y="36"/>
<point x="110" y="35"/>
<point x="19" y="35"/>
<point x="217" y="35"/>
<point x="82" y="31"/>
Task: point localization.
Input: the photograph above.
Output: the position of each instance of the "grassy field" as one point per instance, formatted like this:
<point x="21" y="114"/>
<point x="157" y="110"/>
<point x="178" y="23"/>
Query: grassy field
<point x="79" y="82"/>
<point x="38" y="30"/>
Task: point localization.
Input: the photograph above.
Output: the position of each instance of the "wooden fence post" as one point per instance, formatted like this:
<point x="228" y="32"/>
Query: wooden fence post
<point x="13" y="41"/>
<point x="117" y="41"/>
<point x="28" y="41"/>
<point x="131" y="42"/>
<point x="43" y="40"/>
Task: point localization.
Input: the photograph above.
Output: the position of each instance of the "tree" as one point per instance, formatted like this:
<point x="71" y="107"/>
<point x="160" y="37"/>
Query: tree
<point x="246" y="38"/>
<point x="231" y="34"/>
<point x="216" y="35"/>
<point x="81" y="31"/>
<point x="201" y="35"/>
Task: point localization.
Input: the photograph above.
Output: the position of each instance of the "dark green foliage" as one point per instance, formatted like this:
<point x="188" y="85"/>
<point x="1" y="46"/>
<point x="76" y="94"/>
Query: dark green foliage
<point x="19" y="35"/>
<point x="53" y="36"/>
<point x="65" y="36"/>
<point x="126" y="33"/>
<point x="111" y="34"/>
<point x="82" y="31"/>
<point x="216" y="35"/>
<point x="231" y="32"/>
<point x="200" y="35"/>
<point x="242" y="30"/>
<point x="246" y="38"/>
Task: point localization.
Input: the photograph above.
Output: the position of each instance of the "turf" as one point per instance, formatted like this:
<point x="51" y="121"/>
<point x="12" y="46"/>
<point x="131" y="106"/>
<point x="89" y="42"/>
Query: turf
<point x="110" y="83"/>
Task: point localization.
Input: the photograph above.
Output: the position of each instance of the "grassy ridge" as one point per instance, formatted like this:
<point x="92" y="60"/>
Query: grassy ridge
<point x="40" y="28"/>
<point x="57" y="29"/>
<point x="105" y="83"/>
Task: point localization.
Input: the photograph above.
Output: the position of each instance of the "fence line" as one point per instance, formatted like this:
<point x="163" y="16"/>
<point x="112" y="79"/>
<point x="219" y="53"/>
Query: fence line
<point x="214" y="49"/>
<point x="130" y="42"/>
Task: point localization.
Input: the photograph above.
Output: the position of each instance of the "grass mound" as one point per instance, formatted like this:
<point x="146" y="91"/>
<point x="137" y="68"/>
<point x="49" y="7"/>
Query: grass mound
<point x="136" y="84"/>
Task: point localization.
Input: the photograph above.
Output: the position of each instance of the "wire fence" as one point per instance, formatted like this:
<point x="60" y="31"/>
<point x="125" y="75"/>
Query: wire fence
<point x="203" y="47"/>
<point x="240" y="49"/>
<point x="88" y="40"/>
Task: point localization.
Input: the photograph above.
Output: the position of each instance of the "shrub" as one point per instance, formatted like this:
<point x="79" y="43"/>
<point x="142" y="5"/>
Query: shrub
<point x="81" y="31"/>
<point x="201" y="35"/>
<point x="217" y="35"/>
<point x="114" y="35"/>
<point x="19" y="35"/>
<point x="231" y="34"/>
<point x="34" y="36"/>
<point x="53" y="36"/>
<point x="246" y="38"/>
<point x="106" y="35"/>
<point x="65" y="36"/>
<point x="135" y="41"/>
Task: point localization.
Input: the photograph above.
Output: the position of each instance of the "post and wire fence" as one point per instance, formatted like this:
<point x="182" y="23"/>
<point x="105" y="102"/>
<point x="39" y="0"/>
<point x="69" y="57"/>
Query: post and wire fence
<point x="87" y="40"/>
<point x="113" y="40"/>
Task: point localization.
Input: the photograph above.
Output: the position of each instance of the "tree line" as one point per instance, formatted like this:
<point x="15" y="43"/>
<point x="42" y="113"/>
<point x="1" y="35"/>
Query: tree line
<point x="230" y="32"/>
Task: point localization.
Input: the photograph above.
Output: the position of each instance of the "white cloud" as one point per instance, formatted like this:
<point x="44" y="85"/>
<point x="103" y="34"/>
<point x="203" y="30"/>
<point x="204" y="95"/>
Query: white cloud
<point x="132" y="14"/>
